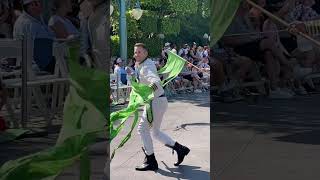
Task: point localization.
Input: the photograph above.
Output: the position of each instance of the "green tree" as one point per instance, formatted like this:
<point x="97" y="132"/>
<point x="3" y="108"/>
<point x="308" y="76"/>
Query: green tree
<point x="181" y="21"/>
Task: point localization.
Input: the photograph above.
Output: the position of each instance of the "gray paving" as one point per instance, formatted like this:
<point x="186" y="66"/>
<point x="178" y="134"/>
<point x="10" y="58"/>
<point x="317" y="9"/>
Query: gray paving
<point x="187" y="120"/>
<point x="276" y="139"/>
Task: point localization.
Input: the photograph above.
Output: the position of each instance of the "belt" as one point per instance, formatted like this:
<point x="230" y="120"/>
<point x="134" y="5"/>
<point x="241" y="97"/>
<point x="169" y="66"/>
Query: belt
<point x="162" y="95"/>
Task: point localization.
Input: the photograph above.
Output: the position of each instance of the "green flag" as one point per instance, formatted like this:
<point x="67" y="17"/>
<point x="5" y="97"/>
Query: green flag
<point x="172" y="68"/>
<point x="85" y="109"/>
<point x="222" y="13"/>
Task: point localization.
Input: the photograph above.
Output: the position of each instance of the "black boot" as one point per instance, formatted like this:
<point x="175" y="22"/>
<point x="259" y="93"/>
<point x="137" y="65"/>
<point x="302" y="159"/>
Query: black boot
<point x="149" y="163"/>
<point x="181" y="150"/>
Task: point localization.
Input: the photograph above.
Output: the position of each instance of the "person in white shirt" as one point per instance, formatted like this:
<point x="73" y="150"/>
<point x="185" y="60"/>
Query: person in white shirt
<point x="183" y="50"/>
<point x="174" y="48"/>
<point x="120" y="71"/>
<point x="95" y="34"/>
<point x="147" y="73"/>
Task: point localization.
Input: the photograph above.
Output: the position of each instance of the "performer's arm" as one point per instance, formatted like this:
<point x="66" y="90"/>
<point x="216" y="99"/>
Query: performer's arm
<point x="151" y="74"/>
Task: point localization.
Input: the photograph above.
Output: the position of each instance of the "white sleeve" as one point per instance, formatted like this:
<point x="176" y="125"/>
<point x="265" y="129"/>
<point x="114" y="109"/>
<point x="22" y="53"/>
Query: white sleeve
<point x="149" y="71"/>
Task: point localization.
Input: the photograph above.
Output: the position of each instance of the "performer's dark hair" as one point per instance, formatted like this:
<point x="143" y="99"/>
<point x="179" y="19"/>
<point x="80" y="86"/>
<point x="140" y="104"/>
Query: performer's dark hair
<point x="141" y="45"/>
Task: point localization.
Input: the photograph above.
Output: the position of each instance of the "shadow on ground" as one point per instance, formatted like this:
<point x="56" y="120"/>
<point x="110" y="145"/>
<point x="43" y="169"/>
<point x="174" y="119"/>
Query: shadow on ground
<point x="298" y="118"/>
<point x="184" y="172"/>
<point x="195" y="99"/>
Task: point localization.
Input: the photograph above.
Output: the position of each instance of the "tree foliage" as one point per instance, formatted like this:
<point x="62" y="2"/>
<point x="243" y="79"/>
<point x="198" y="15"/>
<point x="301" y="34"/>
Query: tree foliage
<point x="181" y="21"/>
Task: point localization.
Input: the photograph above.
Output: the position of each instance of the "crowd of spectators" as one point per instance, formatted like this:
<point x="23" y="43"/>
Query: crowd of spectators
<point x="195" y="76"/>
<point x="255" y="43"/>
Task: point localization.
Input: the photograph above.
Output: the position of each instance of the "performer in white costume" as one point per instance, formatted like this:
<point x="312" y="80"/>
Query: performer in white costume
<point x="147" y="74"/>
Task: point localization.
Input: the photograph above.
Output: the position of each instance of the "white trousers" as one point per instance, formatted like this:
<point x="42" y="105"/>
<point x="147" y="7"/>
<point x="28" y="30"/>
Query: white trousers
<point x="159" y="107"/>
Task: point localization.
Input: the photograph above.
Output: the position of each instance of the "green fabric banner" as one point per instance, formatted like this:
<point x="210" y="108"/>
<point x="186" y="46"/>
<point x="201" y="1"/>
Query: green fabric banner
<point x="222" y="13"/>
<point x="172" y="68"/>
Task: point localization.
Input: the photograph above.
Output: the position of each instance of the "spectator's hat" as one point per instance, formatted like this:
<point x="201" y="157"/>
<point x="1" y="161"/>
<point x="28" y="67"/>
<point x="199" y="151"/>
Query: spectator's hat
<point x="119" y="60"/>
<point x="27" y="1"/>
<point x="167" y="44"/>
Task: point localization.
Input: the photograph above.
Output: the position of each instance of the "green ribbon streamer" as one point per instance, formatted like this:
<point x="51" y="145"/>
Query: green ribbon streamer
<point x="84" y="114"/>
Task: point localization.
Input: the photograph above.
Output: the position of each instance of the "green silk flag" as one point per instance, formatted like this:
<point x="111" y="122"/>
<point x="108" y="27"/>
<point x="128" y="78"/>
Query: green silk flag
<point x="85" y="109"/>
<point x="172" y="68"/>
<point x="142" y="95"/>
<point x="222" y="13"/>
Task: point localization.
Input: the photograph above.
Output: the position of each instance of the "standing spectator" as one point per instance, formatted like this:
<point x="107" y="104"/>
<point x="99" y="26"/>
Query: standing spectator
<point x="31" y="24"/>
<point x="131" y="71"/>
<point x="17" y="9"/>
<point x="3" y="101"/>
<point x="59" y="23"/>
<point x="94" y="34"/>
<point x="120" y="71"/>
<point x="5" y="24"/>
<point x="165" y="50"/>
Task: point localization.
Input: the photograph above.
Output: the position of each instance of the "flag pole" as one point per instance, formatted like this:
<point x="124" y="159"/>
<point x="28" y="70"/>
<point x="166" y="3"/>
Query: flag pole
<point x="281" y="21"/>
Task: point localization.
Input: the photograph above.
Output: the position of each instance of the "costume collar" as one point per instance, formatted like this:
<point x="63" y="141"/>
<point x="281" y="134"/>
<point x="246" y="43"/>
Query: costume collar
<point x="143" y="61"/>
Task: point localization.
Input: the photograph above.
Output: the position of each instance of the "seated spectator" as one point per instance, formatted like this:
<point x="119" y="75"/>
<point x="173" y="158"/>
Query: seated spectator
<point x="164" y="53"/>
<point x="30" y="24"/>
<point x="191" y="74"/>
<point x="199" y="53"/>
<point x="239" y="66"/>
<point x="206" y="51"/>
<point x="59" y="23"/>
<point x="254" y="46"/>
<point x="218" y="75"/>
<point x="276" y="57"/>
<point x="193" y="52"/>
<point x="304" y="12"/>
<point x="183" y="50"/>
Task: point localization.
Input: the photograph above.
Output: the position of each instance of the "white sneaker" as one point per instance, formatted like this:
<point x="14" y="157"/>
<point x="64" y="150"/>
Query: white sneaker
<point x="197" y="91"/>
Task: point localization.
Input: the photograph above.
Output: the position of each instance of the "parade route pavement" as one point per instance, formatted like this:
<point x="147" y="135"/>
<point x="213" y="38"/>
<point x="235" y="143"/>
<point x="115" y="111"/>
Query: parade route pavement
<point x="272" y="139"/>
<point x="187" y="121"/>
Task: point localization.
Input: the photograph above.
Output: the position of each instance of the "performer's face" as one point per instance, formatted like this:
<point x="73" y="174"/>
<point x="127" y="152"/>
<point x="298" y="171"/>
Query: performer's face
<point x="140" y="54"/>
